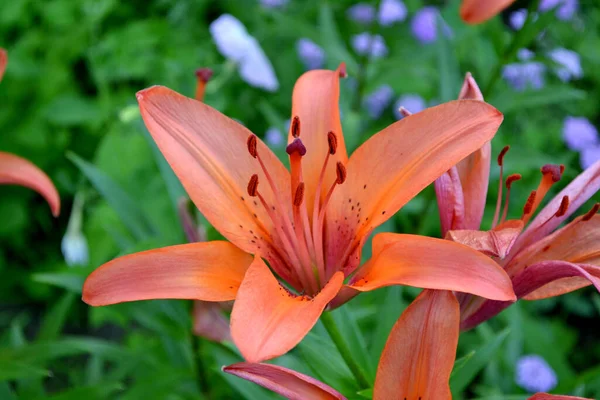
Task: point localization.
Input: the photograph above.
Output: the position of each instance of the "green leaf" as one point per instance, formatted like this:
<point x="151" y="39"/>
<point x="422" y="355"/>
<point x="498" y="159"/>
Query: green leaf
<point x="65" y="280"/>
<point x="386" y="315"/>
<point x="448" y="67"/>
<point x="104" y="390"/>
<point x="55" y="319"/>
<point x="332" y="41"/>
<point x="367" y="393"/>
<point x="461" y="362"/>
<point x="463" y="377"/>
<point x="10" y="370"/>
<point x="125" y="205"/>
<point x="509" y="101"/>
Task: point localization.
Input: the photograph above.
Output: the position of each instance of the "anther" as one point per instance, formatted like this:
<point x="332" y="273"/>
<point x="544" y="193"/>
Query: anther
<point x="299" y="196"/>
<point x="590" y="214"/>
<point x="296" y="147"/>
<point x="555" y="170"/>
<point x="564" y="206"/>
<point x="511" y="179"/>
<point x="253" y="186"/>
<point x="340" y="171"/>
<point x="530" y="201"/>
<point x="252" y="142"/>
<point x="204" y="74"/>
<point x="332" y="142"/>
<point x="502" y="154"/>
<point x="296" y="127"/>
<point x="342" y="70"/>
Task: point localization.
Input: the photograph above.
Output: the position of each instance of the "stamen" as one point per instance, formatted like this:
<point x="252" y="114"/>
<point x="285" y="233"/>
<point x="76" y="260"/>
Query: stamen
<point x="253" y="185"/>
<point x="342" y="70"/>
<point x="203" y="75"/>
<point x="512" y="178"/>
<point x="551" y="174"/>
<point x="332" y="142"/>
<point x="564" y="206"/>
<point x="529" y="204"/>
<point x="499" y="200"/>
<point x="590" y="214"/>
<point x="340" y="171"/>
<point x="296" y="147"/>
<point x="252" y="143"/>
<point x="299" y="196"/>
<point x="296" y="127"/>
<point x="509" y="181"/>
<point x="502" y="154"/>
<point x="555" y="171"/>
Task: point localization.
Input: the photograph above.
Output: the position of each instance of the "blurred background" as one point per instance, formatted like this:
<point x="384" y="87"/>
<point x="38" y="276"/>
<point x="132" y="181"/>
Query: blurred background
<point x="67" y="103"/>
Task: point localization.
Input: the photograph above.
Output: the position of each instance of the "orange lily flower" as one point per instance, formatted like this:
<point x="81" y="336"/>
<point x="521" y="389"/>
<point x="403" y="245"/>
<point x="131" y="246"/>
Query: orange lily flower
<point x="416" y="362"/>
<point x="309" y="223"/>
<point x="15" y="170"/>
<point x="541" y="264"/>
<point x="478" y="11"/>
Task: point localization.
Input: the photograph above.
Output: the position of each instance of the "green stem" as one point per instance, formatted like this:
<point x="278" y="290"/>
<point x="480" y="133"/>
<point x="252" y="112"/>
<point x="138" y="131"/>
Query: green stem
<point x="512" y="50"/>
<point x="201" y="378"/>
<point x="344" y="350"/>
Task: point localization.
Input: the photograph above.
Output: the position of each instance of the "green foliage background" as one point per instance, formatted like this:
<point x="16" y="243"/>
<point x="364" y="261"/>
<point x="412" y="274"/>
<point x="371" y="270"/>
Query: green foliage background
<point x="68" y="104"/>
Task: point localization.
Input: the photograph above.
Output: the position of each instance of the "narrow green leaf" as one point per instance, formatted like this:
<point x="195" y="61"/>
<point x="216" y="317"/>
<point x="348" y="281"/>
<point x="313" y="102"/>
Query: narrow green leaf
<point x="367" y="393"/>
<point x="65" y="280"/>
<point x="332" y="41"/>
<point x="461" y="362"/>
<point x="55" y="319"/>
<point x="509" y="101"/>
<point x="10" y="370"/>
<point x="104" y="390"/>
<point x="449" y="70"/>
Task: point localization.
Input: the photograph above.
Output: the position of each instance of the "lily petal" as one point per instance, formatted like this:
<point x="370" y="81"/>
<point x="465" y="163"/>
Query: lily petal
<point x="209" y="321"/>
<point x="532" y="278"/>
<point x="450" y="200"/>
<point x="397" y="163"/>
<point x="315" y="102"/>
<point x="419" y="354"/>
<point x="211" y="271"/>
<point x="209" y="154"/>
<point x="496" y="243"/>
<point x="15" y="170"/>
<point x="478" y="11"/>
<point x="580" y="190"/>
<point x="3" y="62"/>
<point x="432" y="263"/>
<point x="548" y="396"/>
<point x="286" y="382"/>
<point x="267" y="320"/>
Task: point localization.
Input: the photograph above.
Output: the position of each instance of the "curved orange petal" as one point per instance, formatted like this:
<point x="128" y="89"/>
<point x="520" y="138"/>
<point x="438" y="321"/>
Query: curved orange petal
<point x="395" y="164"/>
<point x="548" y="396"/>
<point x="432" y="263"/>
<point x="496" y="243"/>
<point x="211" y="271"/>
<point x="209" y="321"/>
<point x="290" y="384"/>
<point x="419" y="354"/>
<point x="315" y="102"/>
<point x="3" y="61"/>
<point x="15" y="170"/>
<point x="478" y="11"/>
<point x="267" y="320"/>
<point x="580" y="190"/>
<point x="209" y="154"/>
<point x="450" y="201"/>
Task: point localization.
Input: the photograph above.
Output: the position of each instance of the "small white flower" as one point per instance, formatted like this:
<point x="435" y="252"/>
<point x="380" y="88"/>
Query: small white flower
<point x="75" y="249"/>
<point x="391" y="11"/>
<point x="569" y="64"/>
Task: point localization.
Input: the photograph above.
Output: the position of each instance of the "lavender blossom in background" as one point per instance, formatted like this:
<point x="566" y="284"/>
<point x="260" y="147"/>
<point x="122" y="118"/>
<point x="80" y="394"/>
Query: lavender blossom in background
<point x="274" y="137"/>
<point x="363" y="13"/>
<point x="534" y="374"/>
<point x="517" y="19"/>
<point x="234" y="42"/>
<point x="378" y="101"/>
<point x="589" y="156"/>
<point x="371" y="45"/>
<point x="579" y="133"/>
<point x="424" y="25"/>
<point x="525" y="75"/>
<point x="569" y="64"/>
<point x="311" y="54"/>
<point x="412" y="102"/>
<point x="565" y="9"/>
<point x="525" y="54"/>
<point x="273" y="3"/>
<point x="391" y="11"/>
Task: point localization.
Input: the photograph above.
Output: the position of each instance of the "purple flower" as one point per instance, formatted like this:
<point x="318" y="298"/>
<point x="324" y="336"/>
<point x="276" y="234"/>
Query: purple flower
<point x="363" y="13"/>
<point x="412" y="102"/>
<point x="367" y="44"/>
<point x="273" y="3"/>
<point x="589" y="156"/>
<point x="391" y="11"/>
<point x="378" y="101"/>
<point x="273" y="137"/>
<point x="579" y="133"/>
<point x="424" y="25"/>
<point x="565" y="9"/>
<point x="311" y="54"/>
<point x="524" y="75"/>
<point x="525" y="54"/>
<point x="534" y="374"/>
<point x="517" y="19"/>
<point x="570" y="64"/>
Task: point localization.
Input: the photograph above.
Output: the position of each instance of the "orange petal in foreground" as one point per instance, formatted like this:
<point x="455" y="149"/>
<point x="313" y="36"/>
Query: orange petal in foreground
<point x="267" y="320"/>
<point x="430" y="263"/>
<point x="211" y="271"/>
<point x="547" y="396"/>
<point x="419" y="354"/>
<point x="478" y="11"/>
<point x="15" y="170"/>
<point x="290" y="384"/>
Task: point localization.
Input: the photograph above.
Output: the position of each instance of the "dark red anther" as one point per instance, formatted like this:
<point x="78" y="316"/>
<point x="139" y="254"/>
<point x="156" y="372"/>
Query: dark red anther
<point x="530" y="200"/>
<point x="252" y="142"/>
<point x="296" y="147"/>
<point x="299" y="195"/>
<point x="296" y="127"/>
<point x="332" y="142"/>
<point x="590" y="214"/>
<point x="564" y="206"/>
<point x="342" y="70"/>
<point x="502" y="154"/>
<point x="253" y="186"/>
<point x="511" y="179"/>
<point x="555" y="170"/>
<point x="204" y="74"/>
<point x="340" y="171"/>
